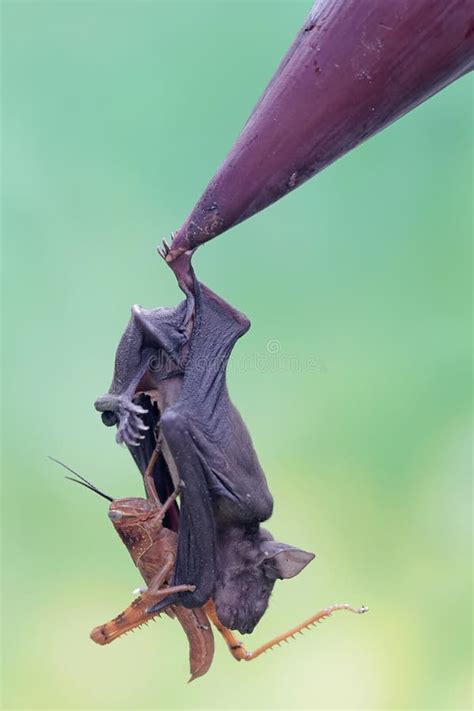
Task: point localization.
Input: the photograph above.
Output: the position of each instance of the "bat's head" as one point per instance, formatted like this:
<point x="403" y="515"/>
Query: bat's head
<point x="249" y="566"/>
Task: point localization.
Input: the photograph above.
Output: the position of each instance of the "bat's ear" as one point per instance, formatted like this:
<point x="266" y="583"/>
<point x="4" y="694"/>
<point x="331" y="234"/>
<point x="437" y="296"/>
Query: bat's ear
<point x="283" y="561"/>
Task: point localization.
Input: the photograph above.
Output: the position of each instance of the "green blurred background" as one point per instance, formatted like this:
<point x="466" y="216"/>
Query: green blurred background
<point x="354" y="379"/>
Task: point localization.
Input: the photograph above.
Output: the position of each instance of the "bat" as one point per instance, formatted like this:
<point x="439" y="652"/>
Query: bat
<point x="139" y="523"/>
<point x="169" y="391"/>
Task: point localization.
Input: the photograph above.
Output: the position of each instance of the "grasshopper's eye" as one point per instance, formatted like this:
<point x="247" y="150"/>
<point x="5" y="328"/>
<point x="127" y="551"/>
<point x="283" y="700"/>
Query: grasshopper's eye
<point x="115" y="515"/>
<point x="110" y="418"/>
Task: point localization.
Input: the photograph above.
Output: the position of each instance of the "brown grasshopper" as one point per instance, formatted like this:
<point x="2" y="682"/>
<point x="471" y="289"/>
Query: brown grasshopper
<point x="153" y="550"/>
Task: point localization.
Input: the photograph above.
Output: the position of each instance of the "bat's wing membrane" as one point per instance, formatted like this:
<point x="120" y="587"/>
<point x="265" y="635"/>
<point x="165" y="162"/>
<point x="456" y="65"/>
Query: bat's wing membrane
<point x="210" y="446"/>
<point x="196" y="540"/>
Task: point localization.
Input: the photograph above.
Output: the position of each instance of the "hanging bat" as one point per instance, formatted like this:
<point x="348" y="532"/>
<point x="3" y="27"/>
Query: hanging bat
<point x="139" y="523"/>
<point x="169" y="390"/>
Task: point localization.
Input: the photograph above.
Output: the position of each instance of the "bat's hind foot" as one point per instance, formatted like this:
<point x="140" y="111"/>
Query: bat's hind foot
<point x="164" y="249"/>
<point x="131" y="427"/>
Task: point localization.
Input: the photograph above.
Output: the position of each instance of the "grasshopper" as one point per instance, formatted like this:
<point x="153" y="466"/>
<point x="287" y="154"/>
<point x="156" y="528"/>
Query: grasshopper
<point x="153" y="548"/>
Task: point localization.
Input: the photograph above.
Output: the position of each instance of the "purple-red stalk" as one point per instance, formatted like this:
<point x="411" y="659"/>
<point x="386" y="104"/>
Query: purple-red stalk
<point x="354" y="68"/>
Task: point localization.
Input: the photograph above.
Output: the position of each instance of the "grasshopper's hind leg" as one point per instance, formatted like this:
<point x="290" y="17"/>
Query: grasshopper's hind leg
<point x="238" y="650"/>
<point x="135" y="615"/>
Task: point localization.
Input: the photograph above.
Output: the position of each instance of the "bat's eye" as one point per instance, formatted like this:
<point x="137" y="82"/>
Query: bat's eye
<point x="110" y="418"/>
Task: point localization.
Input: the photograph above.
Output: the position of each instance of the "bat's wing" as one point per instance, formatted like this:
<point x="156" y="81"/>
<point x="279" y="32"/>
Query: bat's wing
<point x="234" y="476"/>
<point x="204" y="442"/>
<point x="196" y="537"/>
<point x="210" y="448"/>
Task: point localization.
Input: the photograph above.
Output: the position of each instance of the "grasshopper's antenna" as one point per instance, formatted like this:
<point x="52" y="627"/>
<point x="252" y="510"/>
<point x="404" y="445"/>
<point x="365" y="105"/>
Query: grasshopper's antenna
<point x="81" y="480"/>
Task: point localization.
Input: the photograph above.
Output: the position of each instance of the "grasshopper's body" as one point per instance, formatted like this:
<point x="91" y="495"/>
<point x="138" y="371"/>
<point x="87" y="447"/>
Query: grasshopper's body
<point x="153" y="548"/>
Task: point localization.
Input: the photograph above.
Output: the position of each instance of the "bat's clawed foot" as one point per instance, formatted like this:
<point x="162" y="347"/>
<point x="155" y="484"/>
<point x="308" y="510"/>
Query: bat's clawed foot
<point x="131" y="426"/>
<point x="164" y="249"/>
<point x="122" y="411"/>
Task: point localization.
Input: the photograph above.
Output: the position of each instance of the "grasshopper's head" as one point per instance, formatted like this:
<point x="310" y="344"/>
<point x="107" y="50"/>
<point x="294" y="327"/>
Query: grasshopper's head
<point x="127" y="513"/>
<point x="123" y="512"/>
<point x="137" y="522"/>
